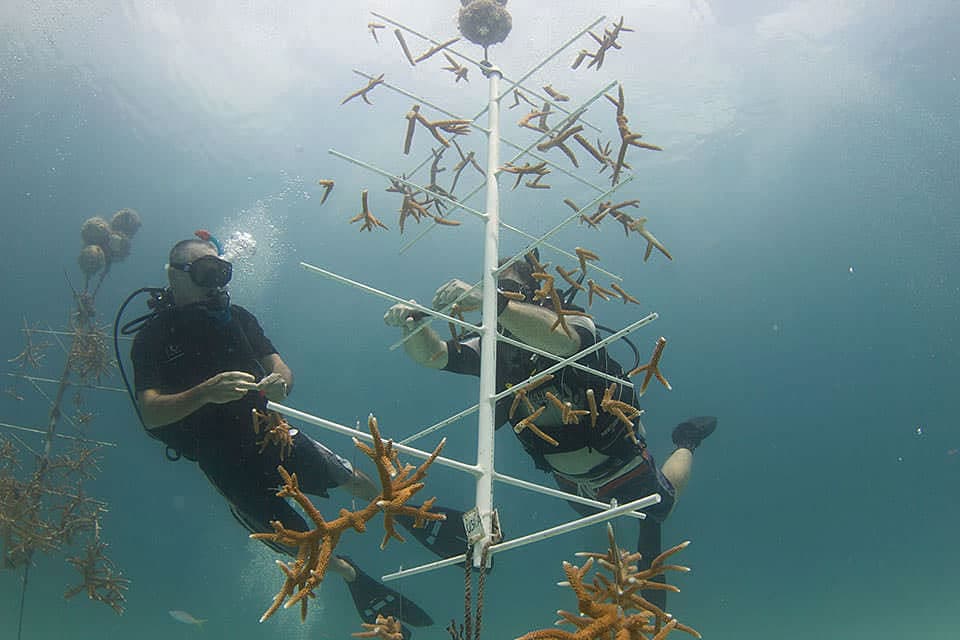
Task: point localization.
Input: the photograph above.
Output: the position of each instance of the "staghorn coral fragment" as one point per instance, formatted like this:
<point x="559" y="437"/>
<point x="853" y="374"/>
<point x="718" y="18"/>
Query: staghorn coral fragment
<point x="652" y="368"/>
<point x="638" y="226"/>
<point x="327" y="188"/>
<point x="611" y="607"/>
<point x="362" y="93"/>
<point x="518" y="96"/>
<point x="592" y="403"/>
<point x="276" y="431"/>
<point x="384" y="628"/>
<point x="568" y="277"/>
<point x="99" y="577"/>
<point x="585" y="255"/>
<point x="411" y="117"/>
<point x="315" y="547"/>
<point x="539" y="170"/>
<point x="627" y="137"/>
<point x="607" y="42"/>
<point x="623" y="294"/>
<point x="372" y="28"/>
<point x="594" y="288"/>
<point x="527" y="423"/>
<point x="458" y="70"/>
<point x="435" y="49"/>
<point x="370" y="222"/>
<point x="556" y="95"/>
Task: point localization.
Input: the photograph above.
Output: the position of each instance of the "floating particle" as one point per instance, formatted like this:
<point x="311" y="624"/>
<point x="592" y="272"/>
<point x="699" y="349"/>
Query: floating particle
<point x="918" y="431"/>
<point x="850" y="269"/>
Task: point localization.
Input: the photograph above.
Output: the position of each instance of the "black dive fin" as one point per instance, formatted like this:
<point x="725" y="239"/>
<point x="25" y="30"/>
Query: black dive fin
<point x="372" y="598"/>
<point x="691" y="432"/>
<point x="445" y="538"/>
<point x="252" y="527"/>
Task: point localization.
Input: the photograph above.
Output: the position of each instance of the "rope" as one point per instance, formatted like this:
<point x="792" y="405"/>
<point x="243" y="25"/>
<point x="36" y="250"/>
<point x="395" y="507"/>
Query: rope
<point x="467" y="593"/>
<point x="472" y="621"/>
<point x="481" y="583"/>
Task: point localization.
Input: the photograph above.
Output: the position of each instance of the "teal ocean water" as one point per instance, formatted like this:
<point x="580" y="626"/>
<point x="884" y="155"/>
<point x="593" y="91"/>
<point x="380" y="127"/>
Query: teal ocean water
<point x="808" y="190"/>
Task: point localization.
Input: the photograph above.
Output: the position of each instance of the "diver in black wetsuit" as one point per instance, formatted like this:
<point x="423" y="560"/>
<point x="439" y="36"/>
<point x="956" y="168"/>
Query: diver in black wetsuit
<point x="601" y="463"/>
<point x="201" y="365"/>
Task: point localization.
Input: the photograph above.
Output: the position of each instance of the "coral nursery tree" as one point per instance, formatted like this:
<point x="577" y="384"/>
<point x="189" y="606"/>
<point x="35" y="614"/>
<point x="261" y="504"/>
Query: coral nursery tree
<point x="44" y="506"/>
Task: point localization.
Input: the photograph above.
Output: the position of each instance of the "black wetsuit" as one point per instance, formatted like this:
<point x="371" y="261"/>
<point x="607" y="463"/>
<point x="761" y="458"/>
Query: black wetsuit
<point x="606" y="480"/>
<point x="183" y="346"/>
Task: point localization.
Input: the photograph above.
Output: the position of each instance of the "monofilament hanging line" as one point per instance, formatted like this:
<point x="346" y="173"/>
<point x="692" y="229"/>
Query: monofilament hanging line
<point x="23" y="598"/>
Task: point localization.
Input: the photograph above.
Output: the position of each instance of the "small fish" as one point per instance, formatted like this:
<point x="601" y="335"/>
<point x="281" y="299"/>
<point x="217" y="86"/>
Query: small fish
<point x="185" y="618"/>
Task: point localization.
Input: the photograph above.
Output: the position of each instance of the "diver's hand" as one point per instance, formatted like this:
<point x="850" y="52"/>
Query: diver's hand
<point x="466" y="298"/>
<point x="403" y="315"/>
<point x="274" y="386"/>
<point x="228" y="386"/>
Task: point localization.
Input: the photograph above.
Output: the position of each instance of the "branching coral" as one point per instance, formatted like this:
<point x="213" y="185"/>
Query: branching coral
<point x="315" y="547"/>
<point x="44" y="507"/>
<point x="611" y="606"/>
<point x="99" y="577"/>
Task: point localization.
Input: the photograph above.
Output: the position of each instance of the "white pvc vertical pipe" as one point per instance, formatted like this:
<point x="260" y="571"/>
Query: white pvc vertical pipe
<point x="488" y="343"/>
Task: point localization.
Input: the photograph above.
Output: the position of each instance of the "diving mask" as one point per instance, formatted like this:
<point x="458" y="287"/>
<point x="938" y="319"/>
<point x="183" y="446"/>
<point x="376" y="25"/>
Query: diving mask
<point x="209" y="272"/>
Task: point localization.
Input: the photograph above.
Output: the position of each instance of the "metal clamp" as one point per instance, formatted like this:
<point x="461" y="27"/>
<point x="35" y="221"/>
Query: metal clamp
<point x="473" y="525"/>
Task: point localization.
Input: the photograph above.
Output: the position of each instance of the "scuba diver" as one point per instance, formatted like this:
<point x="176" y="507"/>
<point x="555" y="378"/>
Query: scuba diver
<point x="601" y="462"/>
<point x="201" y="365"/>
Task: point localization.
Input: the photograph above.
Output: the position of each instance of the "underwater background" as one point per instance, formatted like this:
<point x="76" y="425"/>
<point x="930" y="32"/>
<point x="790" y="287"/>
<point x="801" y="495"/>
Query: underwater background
<point x="808" y="191"/>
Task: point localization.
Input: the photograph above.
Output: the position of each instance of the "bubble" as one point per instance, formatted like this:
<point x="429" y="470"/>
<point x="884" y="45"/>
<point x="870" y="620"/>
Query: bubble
<point x="255" y="241"/>
<point x="258" y="583"/>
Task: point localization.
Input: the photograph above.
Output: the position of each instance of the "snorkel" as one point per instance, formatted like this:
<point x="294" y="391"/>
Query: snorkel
<point x="206" y="236"/>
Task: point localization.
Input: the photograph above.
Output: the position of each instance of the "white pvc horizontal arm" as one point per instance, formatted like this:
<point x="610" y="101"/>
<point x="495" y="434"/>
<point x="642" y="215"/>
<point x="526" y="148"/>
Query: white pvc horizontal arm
<point x="95" y="387"/>
<point x="538" y="536"/>
<point x="541" y="241"/>
<point x="580" y="354"/>
<point x="420" y="100"/>
<point x="43" y="432"/>
<point x="386" y="174"/>
<point x="557" y="493"/>
<point x="542" y="97"/>
<point x="363" y="435"/>
<point x="571" y="361"/>
<point x="387" y="296"/>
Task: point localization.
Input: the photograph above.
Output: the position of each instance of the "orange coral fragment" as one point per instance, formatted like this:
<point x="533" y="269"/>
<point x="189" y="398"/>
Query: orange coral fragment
<point x="315" y="547"/>
<point x="612" y="606"/>
<point x="370" y="222"/>
<point x="652" y="368"/>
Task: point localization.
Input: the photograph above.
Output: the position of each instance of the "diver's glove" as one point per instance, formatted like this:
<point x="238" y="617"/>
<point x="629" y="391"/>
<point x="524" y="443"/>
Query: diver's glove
<point x="456" y="291"/>
<point x="403" y="315"/>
